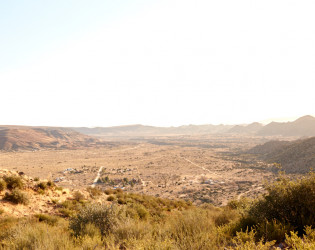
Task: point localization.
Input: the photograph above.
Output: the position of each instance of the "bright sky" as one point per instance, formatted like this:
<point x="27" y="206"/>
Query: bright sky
<point x="155" y="62"/>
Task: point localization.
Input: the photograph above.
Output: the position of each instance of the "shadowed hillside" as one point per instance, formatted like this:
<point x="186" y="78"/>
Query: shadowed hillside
<point x="304" y="126"/>
<point x="294" y="157"/>
<point x="249" y="129"/>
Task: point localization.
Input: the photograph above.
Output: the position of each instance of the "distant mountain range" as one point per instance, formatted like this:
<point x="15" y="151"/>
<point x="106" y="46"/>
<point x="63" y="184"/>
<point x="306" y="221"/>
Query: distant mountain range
<point x="38" y="138"/>
<point x="304" y="126"/>
<point x="23" y="137"/>
<point x="141" y="130"/>
<point x="294" y="156"/>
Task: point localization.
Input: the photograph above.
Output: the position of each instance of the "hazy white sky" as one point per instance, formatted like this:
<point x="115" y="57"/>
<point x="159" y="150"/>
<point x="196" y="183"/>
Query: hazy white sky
<point x="155" y="62"/>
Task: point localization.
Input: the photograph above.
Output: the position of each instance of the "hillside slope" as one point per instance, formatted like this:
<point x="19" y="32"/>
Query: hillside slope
<point x="36" y="138"/>
<point x="304" y="126"/>
<point x="294" y="157"/>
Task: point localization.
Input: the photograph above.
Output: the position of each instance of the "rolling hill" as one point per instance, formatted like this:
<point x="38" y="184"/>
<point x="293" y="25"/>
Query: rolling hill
<point x="37" y="138"/>
<point x="142" y="130"/>
<point x="252" y="128"/>
<point x="304" y="126"/>
<point x="294" y="156"/>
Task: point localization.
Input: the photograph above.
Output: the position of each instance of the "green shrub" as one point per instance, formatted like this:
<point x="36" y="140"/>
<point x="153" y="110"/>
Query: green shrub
<point x="246" y="240"/>
<point x="3" y="185"/>
<point x="36" y="179"/>
<point x="13" y="182"/>
<point x="105" y="218"/>
<point x="306" y="242"/>
<point x="273" y="230"/>
<point x="17" y="197"/>
<point x="289" y="202"/>
<point x="78" y="196"/>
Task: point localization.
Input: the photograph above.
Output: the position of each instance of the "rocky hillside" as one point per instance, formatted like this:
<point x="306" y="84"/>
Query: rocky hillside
<point x="295" y="156"/>
<point x="37" y="138"/>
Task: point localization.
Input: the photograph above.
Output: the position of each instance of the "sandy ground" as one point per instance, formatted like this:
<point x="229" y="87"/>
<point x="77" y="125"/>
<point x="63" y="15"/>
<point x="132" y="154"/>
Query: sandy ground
<point x="199" y="169"/>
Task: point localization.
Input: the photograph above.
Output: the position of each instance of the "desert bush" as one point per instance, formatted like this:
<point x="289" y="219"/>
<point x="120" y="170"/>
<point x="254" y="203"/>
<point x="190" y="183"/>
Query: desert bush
<point x="36" y="179"/>
<point x="30" y="235"/>
<point x="50" y="183"/>
<point x="42" y="185"/>
<point x="13" y="182"/>
<point x="49" y="219"/>
<point x="111" y="198"/>
<point x="78" y="196"/>
<point x="246" y="241"/>
<point x="3" y="185"/>
<point x="293" y="241"/>
<point x="192" y="229"/>
<point x="66" y="212"/>
<point x="137" y="211"/>
<point x="121" y="201"/>
<point x="109" y="191"/>
<point x="225" y="217"/>
<point x="289" y="202"/>
<point x="17" y="197"/>
<point x="94" y="192"/>
<point x="105" y="218"/>
<point x="273" y="230"/>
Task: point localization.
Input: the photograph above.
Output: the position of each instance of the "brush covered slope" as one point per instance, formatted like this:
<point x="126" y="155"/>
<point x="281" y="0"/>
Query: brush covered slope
<point x="294" y="156"/>
<point x="113" y="219"/>
<point x="38" y="138"/>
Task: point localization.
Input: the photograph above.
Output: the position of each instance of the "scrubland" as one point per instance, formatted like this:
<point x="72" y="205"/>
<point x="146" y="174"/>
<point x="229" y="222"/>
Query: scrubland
<point x="193" y="168"/>
<point x="162" y="193"/>
<point x="283" y="217"/>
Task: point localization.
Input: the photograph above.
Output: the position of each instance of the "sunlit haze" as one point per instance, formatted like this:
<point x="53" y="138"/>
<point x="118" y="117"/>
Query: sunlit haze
<point x="155" y="62"/>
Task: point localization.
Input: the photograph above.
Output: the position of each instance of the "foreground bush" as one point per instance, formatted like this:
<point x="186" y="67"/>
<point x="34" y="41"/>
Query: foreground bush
<point x="3" y="185"/>
<point x="291" y="203"/>
<point x="17" y="197"/>
<point x="103" y="217"/>
<point x="13" y="182"/>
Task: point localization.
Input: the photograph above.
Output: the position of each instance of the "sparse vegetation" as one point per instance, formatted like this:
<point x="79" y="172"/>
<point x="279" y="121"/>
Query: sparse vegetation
<point x="17" y="197"/>
<point x="49" y="219"/>
<point x="3" y="185"/>
<point x="78" y="196"/>
<point x="13" y="182"/>
<point x="140" y="217"/>
<point x="146" y="222"/>
<point x="42" y="185"/>
<point x="94" y="192"/>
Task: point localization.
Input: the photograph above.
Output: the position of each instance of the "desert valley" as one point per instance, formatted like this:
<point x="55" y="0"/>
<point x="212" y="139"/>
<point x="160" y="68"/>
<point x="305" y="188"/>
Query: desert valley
<point x="114" y="187"/>
<point x="203" y="164"/>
